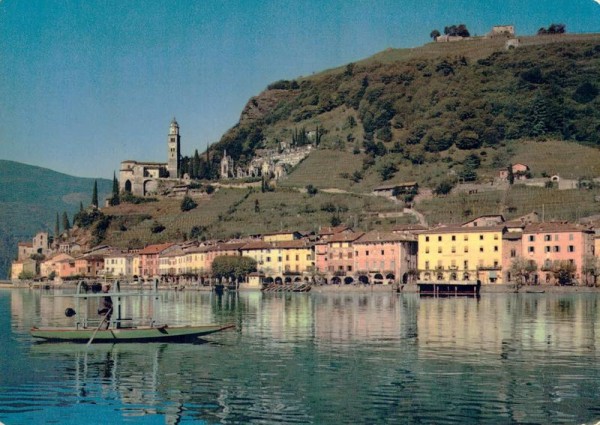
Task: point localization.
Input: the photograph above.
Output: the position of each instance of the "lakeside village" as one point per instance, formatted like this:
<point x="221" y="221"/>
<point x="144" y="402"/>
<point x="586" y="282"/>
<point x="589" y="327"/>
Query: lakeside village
<point x="487" y="250"/>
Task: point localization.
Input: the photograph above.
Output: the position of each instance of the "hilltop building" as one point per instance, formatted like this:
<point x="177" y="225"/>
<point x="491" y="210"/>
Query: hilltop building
<point x="142" y="178"/>
<point x="502" y="31"/>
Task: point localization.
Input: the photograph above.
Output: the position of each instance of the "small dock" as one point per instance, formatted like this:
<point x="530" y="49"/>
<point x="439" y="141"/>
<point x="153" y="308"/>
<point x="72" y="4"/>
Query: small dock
<point x="449" y="289"/>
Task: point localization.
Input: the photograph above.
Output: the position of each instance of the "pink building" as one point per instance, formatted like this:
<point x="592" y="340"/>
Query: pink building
<point x="385" y="256"/>
<point x="520" y="172"/>
<point x="149" y="259"/>
<point x="221" y="249"/>
<point x="66" y="268"/>
<point x="335" y="256"/>
<point x="89" y="265"/>
<point x="546" y="243"/>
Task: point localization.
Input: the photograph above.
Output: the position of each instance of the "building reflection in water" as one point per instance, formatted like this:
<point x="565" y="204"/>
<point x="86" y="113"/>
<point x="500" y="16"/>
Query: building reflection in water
<point x="432" y="348"/>
<point x="488" y="324"/>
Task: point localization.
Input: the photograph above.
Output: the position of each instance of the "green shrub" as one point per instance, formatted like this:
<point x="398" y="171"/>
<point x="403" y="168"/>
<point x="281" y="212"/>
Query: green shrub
<point x="187" y="204"/>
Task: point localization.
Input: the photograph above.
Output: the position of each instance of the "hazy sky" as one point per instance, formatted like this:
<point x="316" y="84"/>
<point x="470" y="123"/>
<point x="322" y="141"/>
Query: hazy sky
<point x="87" y="84"/>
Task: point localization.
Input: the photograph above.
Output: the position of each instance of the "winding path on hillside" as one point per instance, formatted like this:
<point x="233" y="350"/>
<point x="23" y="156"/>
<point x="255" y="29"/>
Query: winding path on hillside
<point x="410" y="211"/>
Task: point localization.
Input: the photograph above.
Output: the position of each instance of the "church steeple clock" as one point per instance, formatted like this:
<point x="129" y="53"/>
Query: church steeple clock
<point x="174" y="150"/>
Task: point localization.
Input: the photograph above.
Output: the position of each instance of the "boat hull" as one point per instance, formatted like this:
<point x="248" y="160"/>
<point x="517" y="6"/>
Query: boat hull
<point x="138" y="334"/>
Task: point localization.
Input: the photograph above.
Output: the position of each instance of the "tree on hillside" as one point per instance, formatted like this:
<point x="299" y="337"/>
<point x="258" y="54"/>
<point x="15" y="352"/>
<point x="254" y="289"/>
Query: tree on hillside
<point x="457" y="30"/>
<point x="434" y="34"/>
<point x="553" y="29"/>
<point x="443" y="188"/>
<point x="157" y="227"/>
<point x="56" y="229"/>
<point x="349" y="72"/>
<point x="65" y="221"/>
<point x="195" y="174"/>
<point x="114" y="200"/>
<point x="311" y="190"/>
<point x="197" y="231"/>
<point x="511" y="174"/>
<point x="95" y="194"/>
<point x="187" y="204"/>
<point x="585" y="93"/>
<point x="387" y="171"/>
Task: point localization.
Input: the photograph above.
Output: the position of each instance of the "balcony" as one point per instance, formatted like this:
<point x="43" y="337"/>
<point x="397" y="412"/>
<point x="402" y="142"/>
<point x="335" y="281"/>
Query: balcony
<point x="489" y="267"/>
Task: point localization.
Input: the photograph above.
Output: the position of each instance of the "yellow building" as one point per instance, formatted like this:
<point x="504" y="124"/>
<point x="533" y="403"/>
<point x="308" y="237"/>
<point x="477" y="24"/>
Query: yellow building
<point x="135" y="265"/>
<point x="276" y="259"/>
<point x="196" y="260"/>
<point x="119" y="264"/>
<point x="461" y="254"/>
<point x="259" y="251"/>
<point x="281" y="236"/>
<point x="172" y="263"/>
<point x="297" y="256"/>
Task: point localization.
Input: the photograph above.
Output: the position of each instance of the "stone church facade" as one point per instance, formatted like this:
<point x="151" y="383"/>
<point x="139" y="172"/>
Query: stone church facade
<point x="143" y="178"/>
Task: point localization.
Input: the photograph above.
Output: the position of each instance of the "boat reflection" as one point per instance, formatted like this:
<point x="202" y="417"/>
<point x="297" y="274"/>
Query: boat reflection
<point x="144" y="378"/>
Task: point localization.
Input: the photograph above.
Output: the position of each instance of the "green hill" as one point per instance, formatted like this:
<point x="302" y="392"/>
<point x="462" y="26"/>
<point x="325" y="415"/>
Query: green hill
<point x="444" y="112"/>
<point x="426" y="110"/>
<point x="30" y="197"/>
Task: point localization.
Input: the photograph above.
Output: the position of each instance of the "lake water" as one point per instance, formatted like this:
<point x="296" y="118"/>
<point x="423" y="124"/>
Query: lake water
<point x="327" y="358"/>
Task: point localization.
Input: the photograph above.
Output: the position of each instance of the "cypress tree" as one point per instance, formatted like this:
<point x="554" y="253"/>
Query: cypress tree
<point x="115" y="191"/>
<point x="195" y="172"/>
<point x="65" y="221"/>
<point x="56" y="229"/>
<point x="95" y="194"/>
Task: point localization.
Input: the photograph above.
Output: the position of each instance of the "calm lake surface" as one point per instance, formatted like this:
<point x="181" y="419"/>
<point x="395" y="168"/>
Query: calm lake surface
<point x="314" y="358"/>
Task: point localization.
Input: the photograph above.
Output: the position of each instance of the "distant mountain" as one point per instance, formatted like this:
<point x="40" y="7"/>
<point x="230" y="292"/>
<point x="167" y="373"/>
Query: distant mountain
<point x="31" y="196"/>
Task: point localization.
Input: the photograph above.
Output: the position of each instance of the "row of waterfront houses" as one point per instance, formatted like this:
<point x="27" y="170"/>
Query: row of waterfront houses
<point x="484" y="249"/>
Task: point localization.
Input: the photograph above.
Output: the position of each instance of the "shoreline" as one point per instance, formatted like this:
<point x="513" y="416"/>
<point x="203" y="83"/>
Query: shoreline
<point x="408" y="288"/>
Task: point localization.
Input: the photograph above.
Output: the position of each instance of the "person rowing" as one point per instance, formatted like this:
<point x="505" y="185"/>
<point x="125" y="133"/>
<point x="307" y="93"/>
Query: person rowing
<point x="106" y="306"/>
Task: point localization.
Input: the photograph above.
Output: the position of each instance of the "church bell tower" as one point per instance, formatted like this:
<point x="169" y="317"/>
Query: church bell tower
<point x="174" y="150"/>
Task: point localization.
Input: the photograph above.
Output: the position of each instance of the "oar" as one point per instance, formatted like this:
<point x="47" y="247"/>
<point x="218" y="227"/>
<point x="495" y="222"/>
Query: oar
<point x="98" y="328"/>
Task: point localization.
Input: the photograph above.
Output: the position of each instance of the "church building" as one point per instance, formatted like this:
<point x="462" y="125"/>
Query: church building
<point x="142" y="178"/>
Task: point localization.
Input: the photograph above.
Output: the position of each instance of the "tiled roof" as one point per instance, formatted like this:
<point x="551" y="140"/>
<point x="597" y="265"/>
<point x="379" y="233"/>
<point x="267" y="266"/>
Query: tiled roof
<point x="298" y="243"/>
<point x="254" y="245"/>
<point x="177" y="252"/>
<point x="333" y="230"/>
<point x="345" y="237"/>
<point x="555" y="227"/>
<point x="459" y="229"/>
<point x="378" y="237"/>
<point x="155" y="249"/>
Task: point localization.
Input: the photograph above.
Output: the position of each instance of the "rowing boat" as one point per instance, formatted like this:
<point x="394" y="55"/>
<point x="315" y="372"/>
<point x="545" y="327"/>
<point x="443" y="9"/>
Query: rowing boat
<point x="119" y="328"/>
<point x="160" y="333"/>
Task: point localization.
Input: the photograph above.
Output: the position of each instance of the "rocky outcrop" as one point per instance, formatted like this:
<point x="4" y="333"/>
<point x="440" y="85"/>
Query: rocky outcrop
<point x="260" y="106"/>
